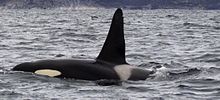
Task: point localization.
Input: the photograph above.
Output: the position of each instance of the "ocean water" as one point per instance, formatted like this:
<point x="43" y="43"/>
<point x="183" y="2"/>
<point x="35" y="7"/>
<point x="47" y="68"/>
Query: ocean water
<point x="183" y="45"/>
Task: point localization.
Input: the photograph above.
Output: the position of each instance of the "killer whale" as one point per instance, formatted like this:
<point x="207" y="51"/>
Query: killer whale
<point x="110" y="64"/>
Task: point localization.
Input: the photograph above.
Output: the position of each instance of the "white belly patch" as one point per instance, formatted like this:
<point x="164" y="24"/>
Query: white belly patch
<point x="48" y="72"/>
<point x="123" y="71"/>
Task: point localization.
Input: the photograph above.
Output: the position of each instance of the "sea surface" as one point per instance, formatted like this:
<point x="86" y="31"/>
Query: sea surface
<point x="182" y="45"/>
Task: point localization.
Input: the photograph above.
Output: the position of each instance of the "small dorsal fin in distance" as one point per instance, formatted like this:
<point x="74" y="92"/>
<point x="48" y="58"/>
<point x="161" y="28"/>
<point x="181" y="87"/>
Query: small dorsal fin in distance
<point x="113" y="50"/>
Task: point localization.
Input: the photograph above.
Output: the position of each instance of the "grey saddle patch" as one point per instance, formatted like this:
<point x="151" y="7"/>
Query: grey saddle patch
<point x="124" y="71"/>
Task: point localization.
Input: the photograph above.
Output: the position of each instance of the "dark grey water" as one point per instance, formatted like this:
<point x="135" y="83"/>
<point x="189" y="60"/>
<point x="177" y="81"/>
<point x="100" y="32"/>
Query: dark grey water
<point x="184" y="43"/>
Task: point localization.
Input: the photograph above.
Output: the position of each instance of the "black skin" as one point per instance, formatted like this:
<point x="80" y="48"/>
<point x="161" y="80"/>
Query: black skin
<point x="77" y="69"/>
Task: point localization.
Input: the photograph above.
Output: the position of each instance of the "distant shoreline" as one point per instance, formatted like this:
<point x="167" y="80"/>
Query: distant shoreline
<point x="126" y="4"/>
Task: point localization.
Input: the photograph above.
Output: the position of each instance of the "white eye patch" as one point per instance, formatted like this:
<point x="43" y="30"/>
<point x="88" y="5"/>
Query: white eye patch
<point x="48" y="72"/>
<point x="123" y="71"/>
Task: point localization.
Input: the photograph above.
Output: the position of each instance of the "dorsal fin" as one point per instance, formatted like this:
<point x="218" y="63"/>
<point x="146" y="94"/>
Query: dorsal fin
<point x="113" y="50"/>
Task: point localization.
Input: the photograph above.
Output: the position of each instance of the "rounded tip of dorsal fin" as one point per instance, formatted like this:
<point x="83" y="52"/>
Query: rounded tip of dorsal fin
<point x="114" y="47"/>
<point x="119" y="11"/>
